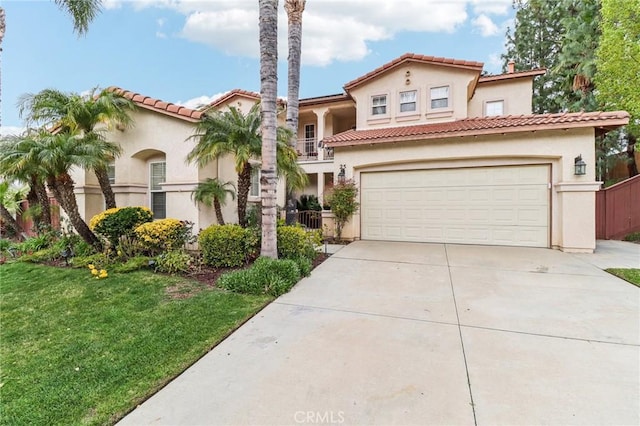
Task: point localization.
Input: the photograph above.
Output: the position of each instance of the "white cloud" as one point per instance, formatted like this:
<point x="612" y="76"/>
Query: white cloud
<point x="199" y="101"/>
<point x="485" y="25"/>
<point x="333" y="30"/>
<point x="11" y="130"/>
<point x="111" y="4"/>
<point x="495" y="7"/>
<point x="160" y="34"/>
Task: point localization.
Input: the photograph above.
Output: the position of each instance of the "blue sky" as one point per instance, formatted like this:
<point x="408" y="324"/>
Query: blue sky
<point x="190" y="51"/>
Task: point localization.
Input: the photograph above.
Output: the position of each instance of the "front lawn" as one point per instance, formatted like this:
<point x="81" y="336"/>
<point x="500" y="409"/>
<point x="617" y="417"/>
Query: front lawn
<point x="631" y="275"/>
<point x="76" y="350"/>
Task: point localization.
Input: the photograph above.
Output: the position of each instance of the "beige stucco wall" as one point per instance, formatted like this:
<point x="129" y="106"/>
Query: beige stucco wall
<point x="516" y="94"/>
<point x="419" y="77"/>
<point x="572" y="197"/>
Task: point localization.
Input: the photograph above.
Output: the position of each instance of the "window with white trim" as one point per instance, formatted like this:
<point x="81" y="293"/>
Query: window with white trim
<point x="254" y="190"/>
<point x="408" y="101"/>
<point x="157" y="175"/>
<point x="439" y="97"/>
<point x="379" y="105"/>
<point x="310" y="139"/>
<point x="111" y="172"/>
<point x="493" y="108"/>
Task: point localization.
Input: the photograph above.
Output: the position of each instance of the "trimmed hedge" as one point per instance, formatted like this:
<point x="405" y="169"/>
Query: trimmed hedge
<point x="161" y="235"/>
<point x="115" y="223"/>
<point x="295" y="242"/>
<point x="227" y="246"/>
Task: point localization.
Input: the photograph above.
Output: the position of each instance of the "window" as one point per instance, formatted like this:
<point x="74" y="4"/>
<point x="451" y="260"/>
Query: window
<point x="408" y="101"/>
<point x="494" y="108"/>
<point x="309" y="139"/>
<point x="439" y="97"/>
<point x="379" y="105"/>
<point x="255" y="181"/>
<point x="111" y="172"/>
<point x="157" y="175"/>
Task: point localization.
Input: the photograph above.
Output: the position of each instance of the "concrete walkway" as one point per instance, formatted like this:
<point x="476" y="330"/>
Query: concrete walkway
<point x="401" y="333"/>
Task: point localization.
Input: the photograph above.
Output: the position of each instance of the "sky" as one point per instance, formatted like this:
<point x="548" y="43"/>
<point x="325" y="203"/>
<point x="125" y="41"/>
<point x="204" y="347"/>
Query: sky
<point x="192" y="51"/>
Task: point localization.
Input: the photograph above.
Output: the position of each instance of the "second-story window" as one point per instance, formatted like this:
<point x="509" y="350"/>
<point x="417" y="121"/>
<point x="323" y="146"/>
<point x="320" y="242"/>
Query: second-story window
<point x="439" y="97"/>
<point x="408" y="101"/>
<point x="309" y="139"/>
<point x="494" y="108"/>
<point x="379" y="105"/>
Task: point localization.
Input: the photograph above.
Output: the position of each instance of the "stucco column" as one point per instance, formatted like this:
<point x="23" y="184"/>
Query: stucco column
<point x="578" y="222"/>
<point x="320" y="113"/>
<point x="320" y="185"/>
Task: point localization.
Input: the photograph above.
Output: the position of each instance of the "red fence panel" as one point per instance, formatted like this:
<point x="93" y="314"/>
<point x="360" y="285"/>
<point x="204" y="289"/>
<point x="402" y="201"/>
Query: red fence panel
<point x="618" y="210"/>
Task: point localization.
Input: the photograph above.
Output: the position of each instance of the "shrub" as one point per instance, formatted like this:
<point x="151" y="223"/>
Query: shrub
<point x="342" y="199"/>
<point x="115" y="223"/>
<point x="266" y="276"/>
<point x="132" y="264"/>
<point x="294" y="242"/>
<point x="100" y="259"/>
<point x="304" y="265"/>
<point x="161" y="235"/>
<point x="32" y="244"/>
<point x="43" y="255"/>
<point x="173" y="261"/>
<point x="635" y="236"/>
<point x="227" y="245"/>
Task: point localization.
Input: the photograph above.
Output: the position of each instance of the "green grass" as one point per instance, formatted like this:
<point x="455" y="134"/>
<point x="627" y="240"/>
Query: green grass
<point x="75" y="350"/>
<point x="631" y="275"/>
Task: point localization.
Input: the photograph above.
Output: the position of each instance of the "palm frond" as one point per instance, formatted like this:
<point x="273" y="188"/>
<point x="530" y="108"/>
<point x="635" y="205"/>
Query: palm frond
<point x="82" y="12"/>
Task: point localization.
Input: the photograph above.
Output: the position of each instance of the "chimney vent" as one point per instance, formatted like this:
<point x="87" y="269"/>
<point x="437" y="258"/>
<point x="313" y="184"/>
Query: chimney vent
<point x="511" y="67"/>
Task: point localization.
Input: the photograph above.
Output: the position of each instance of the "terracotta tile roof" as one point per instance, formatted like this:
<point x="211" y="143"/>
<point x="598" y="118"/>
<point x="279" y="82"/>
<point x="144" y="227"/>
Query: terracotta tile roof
<point x="157" y="105"/>
<point x="222" y="99"/>
<point x="480" y="126"/>
<point x="324" y="99"/>
<point x="519" y="74"/>
<point x="412" y="57"/>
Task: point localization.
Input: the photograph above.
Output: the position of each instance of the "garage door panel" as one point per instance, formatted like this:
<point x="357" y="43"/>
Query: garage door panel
<point x="492" y="205"/>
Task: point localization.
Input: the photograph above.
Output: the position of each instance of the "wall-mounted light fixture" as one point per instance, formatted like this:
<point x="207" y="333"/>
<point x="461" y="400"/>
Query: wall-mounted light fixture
<point x="580" y="166"/>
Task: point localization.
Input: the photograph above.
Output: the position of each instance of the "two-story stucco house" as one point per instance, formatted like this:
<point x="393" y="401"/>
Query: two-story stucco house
<point x="440" y="153"/>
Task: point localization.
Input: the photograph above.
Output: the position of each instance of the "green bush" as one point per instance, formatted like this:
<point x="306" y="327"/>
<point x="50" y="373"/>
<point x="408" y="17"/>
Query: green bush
<point x="635" y="236"/>
<point x="173" y="261"/>
<point x="295" y="242"/>
<point x="162" y="235"/>
<point x="304" y="265"/>
<point x="99" y="259"/>
<point x="33" y="244"/>
<point x="342" y="199"/>
<point x="115" y="223"/>
<point x="266" y="276"/>
<point x="39" y="256"/>
<point x="225" y="246"/>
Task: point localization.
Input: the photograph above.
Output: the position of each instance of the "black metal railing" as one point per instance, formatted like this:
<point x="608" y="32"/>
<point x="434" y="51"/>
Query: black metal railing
<point x="311" y="219"/>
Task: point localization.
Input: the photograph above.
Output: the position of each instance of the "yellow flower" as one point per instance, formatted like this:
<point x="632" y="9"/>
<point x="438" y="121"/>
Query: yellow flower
<point x="102" y="271"/>
<point x="94" y="272"/>
<point x="97" y="278"/>
<point x="90" y="266"/>
<point x="105" y="275"/>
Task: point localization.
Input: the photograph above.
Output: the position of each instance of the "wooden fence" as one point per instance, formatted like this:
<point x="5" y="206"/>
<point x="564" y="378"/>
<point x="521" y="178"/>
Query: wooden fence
<point x="618" y="210"/>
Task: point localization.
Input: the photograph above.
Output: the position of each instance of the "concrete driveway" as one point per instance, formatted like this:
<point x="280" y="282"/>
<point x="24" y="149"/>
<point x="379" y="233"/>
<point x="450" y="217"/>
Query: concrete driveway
<point x="401" y="333"/>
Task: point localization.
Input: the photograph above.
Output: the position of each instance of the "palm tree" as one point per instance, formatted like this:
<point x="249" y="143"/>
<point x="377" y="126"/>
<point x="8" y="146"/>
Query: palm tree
<point x="23" y="168"/>
<point x="231" y="132"/>
<point x="58" y="153"/>
<point x="268" y="94"/>
<point x="90" y="114"/>
<point x="294" y="10"/>
<point x="10" y="199"/>
<point x="214" y="191"/>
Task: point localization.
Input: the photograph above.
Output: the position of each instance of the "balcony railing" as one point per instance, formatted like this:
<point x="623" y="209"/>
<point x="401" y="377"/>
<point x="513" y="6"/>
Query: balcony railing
<point x="307" y="149"/>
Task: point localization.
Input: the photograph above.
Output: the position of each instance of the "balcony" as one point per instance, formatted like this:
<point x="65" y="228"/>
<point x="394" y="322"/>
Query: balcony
<point x="308" y="150"/>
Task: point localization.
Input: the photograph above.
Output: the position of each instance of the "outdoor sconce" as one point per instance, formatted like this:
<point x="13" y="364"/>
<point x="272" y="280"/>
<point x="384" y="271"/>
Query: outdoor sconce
<point x="341" y="175"/>
<point x="580" y="166"/>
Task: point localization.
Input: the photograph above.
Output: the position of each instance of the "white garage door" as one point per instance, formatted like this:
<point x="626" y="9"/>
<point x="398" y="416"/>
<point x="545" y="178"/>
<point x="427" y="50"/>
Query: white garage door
<point x="480" y="205"/>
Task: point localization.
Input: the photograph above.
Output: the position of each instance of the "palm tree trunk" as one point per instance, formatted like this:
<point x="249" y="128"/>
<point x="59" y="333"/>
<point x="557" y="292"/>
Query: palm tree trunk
<point x="2" y="31"/>
<point x="105" y="186"/>
<point x="10" y="221"/>
<point x="43" y="200"/>
<point x="62" y="188"/>
<point x="244" y="185"/>
<point x="294" y="10"/>
<point x="268" y="94"/>
<point x="218" y="209"/>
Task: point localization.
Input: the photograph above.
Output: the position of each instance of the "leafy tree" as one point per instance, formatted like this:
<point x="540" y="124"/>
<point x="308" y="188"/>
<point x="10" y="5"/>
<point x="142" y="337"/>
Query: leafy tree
<point x="576" y="59"/>
<point x="535" y="42"/>
<point x="230" y="132"/>
<point x="214" y="192"/>
<point x="268" y="94"/>
<point x="89" y="114"/>
<point x="618" y="59"/>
